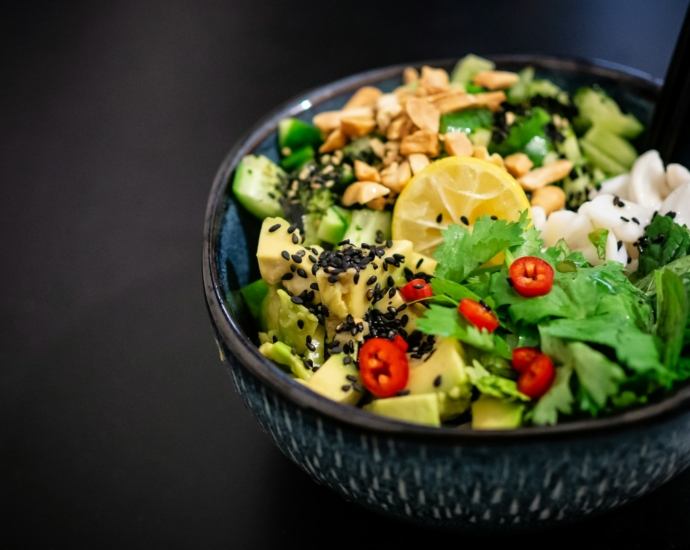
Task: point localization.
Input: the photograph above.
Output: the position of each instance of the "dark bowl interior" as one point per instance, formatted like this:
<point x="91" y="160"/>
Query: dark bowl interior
<point x="231" y="236"/>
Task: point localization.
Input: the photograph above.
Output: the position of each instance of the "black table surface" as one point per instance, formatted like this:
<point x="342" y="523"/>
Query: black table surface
<point x="119" y="424"/>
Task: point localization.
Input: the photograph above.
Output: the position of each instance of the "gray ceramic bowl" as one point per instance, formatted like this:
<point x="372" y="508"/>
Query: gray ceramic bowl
<point x="448" y="478"/>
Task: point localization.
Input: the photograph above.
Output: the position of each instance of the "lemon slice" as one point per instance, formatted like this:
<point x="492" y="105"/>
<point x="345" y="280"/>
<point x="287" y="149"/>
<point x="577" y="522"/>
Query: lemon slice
<point x="451" y="189"/>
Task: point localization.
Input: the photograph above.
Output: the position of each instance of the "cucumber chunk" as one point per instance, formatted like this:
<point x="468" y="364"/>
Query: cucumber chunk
<point x="468" y="67"/>
<point x="612" y="145"/>
<point x="598" y="108"/>
<point x="254" y="294"/>
<point x="298" y="158"/>
<point x="256" y="186"/>
<point x="334" y="224"/>
<point x="601" y="160"/>
<point x="367" y="225"/>
<point x="295" y="134"/>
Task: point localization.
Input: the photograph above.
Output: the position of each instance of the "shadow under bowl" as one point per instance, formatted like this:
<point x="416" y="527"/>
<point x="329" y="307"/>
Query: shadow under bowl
<point x="447" y="478"/>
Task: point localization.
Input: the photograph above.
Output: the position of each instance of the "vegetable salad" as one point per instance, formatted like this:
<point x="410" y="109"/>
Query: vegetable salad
<point x="478" y="248"/>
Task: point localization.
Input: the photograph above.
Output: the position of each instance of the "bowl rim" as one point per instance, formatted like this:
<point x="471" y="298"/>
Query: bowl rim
<point x="229" y="330"/>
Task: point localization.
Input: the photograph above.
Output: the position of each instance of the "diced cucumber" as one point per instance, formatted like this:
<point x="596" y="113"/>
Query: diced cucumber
<point x="601" y="160"/>
<point x="256" y="186"/>
<point x="295" y="134"/>
<point x="466" y="121"/>
<point x="480" y="137"/>
<point x="570" y="147"/>
<point x="612" y="145"/>
<point x="311" y="223"/>
<point x="366" y="225"/>
<point x="334" y="224"/>
<point x="298" y="158"/>
<point x="519" y="91"/>
<point x="597" y="108"/>
<point x="472" y="88"/>
<point x="469" y="66"/>
<point x="254" y="294"/>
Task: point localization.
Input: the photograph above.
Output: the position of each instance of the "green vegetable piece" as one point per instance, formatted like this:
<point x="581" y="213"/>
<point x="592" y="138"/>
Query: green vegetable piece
<point x="597" y="108"/>
<point x="455" y="291"/>
<point x="419" y="409"/>
<point x="282" y="354"/>
<point x="255" y="185"/>
<point x="468" y="67"/>
<point x="611" y="145"/>
<point x="527" y="136"/>
<point x="466" y="121"/>
<point x="598" y="238"/>
<point x="367" y="224"/>
<point x="334" y="224"/>
<point x="493" y="385"/>
<point x="680" y="267"/>
<point x="489" y="413"/>
<point x="462" y="253"/>
<point x="519" y="91"/>
<point x="297" y="159"/>
<point x="295" y="134"/>
<point x="472" y="88"/>
<point x="672" y="309"/>
<point x="559" y="399"/>
<point x="254" y="294"/>
<point x="599" y="378"/>
<point x="666" y="242"/>
<point x="601" y="160"/>
<point x="360" y="149"/>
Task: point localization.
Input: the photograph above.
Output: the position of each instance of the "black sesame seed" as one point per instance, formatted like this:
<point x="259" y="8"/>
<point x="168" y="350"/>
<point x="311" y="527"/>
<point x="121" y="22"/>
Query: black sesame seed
<point x="347" y="361"/>
<point x="357" y="387"/>
<point x="297" y="300"/>
<point x="287" y="277"/>
<point x="285" y="255"/>
<point x="671" y="215"/>
<point x="402" y="393"/>
<point x="297" y="259"/>
<point x="439" y="218"/>
<point x="293" y="267"/>
<point x="371" y="280"/>
<point x="351" y="377"/>
<point x="314" y="269"/>
<point x="391" y="293"/>
<point x="464" y="220"/>
<point x="619" y="243"/>
<point x="314" y="286"/>
<point x="636" y="220"/>
<point x="346" y="387"/>
<point x="370" y="294"/>
<point x="295" y="238"/>
<point x="621" y="204"/>
<point x="312" y="259"/>
<point x="625" y="219"/>
<point x="419" y="263"/>
<point x="274" y="228"/>
<point x="389" y="243"/>
<point x="336" y="349"/>
<point x="390" y="281"/>
<point x="437" y="381"/>
<point x="343" y="243"/>
<point x="616" y="200"/>
<point x="494" y="218"/>
<point x="302" y="273"/>
<point x="292" y="228"/>
<point x="275" y="338"/>
<point x="333" y="278"/>
<point x="325" y="311"/>
<point x="355" y="279"/>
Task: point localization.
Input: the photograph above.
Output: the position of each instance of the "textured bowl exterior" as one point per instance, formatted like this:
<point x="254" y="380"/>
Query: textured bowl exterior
<point x="451" y="479"/>
<point x="484" y="488"/>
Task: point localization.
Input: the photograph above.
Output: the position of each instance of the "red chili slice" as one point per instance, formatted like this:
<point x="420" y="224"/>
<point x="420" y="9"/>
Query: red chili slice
<point x="416" y="289"/>
<point x="531" y="276"/>
<point x="478" y="314"/>
<point x="537" y="378"/>
<point x="383" y="367"/>
<point x="523" y="357"/>
<point x="400" y="342"/>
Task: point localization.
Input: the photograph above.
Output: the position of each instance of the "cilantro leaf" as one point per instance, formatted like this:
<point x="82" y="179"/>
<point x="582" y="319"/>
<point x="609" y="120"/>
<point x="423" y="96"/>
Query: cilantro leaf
<point x="666" y="241"/>
<point x="559" y="398"/>
<point x="680" y="267"/>
<point x="451" y="289"/>
<point x="493" y="385"/>
<point x="598" y="238"/>
<point x="462" y="252"/>
<point x="532" y="244"/>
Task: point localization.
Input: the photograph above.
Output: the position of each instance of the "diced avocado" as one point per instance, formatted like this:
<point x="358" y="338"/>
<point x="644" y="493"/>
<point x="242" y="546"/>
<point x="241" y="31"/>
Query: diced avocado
<point x="331" y="380"/>
<point x="291" y="323"/>
<point x="419" y="262"/>
<point x="601" y="160"/>
<point x="468" y="67"/>
<point x="254" y="294"/>
<point x="344" y="296"/>
<point x="618" y="148"/>
<point x="420" y="409"/>
<point x="366" y="225"/>
<point x="282" y="354"/>
<point x="298" y="158"/>
<point x="490" y="413"/>
<point x="597" y="108"/>
<point x="256" y="186"/>
<point x="272" y="262"/>
<point x="295" y="134"/>
<point x="442" y="372"/>
<point x="334" y="224"/>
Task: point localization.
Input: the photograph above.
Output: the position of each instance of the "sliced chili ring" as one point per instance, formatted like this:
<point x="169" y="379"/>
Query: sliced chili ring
<point x="537" y="378"/>
<point x="523" y="357"/>
<point x="383" y="367"/>
<point x="478" y="314"/>
<point x="531" y="276"/>
<point x="416" y="289"/>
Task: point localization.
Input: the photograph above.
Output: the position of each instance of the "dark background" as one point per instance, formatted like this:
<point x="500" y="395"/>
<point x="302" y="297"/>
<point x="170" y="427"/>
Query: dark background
<point x="119" y="425"/>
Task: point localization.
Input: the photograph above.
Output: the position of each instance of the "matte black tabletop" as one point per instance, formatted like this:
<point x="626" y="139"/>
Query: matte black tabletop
<point x="119" y="425"/>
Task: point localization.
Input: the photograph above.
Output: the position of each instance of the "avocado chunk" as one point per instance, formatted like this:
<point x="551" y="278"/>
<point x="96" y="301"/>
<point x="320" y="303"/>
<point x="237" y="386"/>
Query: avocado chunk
<point x="442" y="373"/>
<point x="420" y="262"/>
<point x="281" y="353"/>
<point x="491" y="413"/>
<point x="338" y="381"/>
<point x="420" y="409"/>
<point x="292" y="323"/>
